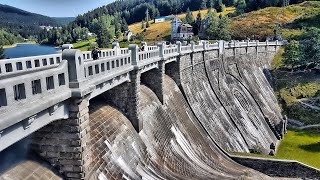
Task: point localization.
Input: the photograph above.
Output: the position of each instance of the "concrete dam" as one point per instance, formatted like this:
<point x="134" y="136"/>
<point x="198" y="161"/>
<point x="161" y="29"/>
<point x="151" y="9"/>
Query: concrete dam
<point x="169" y="112"/>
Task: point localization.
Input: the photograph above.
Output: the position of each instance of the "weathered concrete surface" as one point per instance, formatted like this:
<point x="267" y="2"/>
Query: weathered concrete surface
<point x="172" y="144"/>
<point x="232" y="98"/>
<point x="17" y="163"/>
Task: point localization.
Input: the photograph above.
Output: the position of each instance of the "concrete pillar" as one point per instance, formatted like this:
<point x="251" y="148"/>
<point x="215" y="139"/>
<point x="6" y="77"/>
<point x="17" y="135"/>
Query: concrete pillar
<point x="63" y="143"/>
<point x="221" y="48"/>
<point x="75" y="67"/>
<point x="126" y="98"/>
<point x="162" y="46"/>
<point x="179" y="44"/>
<point x="192" y="45"/>
<point x="205" y="45"/>
<point x="126" y="95"/>
<point x="134" y="54"/>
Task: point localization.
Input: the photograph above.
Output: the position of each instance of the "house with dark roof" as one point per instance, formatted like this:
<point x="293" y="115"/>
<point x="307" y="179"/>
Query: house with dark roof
<point x="180" y="31"/>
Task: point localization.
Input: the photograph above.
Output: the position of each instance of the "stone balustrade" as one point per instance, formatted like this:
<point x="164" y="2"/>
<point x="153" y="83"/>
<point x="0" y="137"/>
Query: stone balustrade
<point x="28" y="64"/>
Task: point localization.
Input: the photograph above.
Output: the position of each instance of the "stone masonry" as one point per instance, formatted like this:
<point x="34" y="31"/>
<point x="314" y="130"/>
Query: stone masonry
<point x="63" y="143"/>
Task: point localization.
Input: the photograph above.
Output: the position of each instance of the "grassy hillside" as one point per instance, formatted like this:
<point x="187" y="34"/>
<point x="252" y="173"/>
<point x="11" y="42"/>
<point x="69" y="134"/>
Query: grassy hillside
<point x="303" y="146"/>
<point x="292" y="18"/>
<point x="162" y="30"/>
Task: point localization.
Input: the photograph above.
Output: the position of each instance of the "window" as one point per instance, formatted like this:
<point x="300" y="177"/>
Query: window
<point x="117" y="63"/>
<point x="8" y="67"/>
<point x="58" y="60"/>
<point x="36" y="86"/>
<point x="90" y="70"/>
<point x="129" y="60"/>
<point x="19" y="65"/>
<point x="112" y="64"/>
<point x="96" y="67"/>
<point x="19" y="92"/>
<point x="50" y="82"/>
<point x="3" y="98"/>
<point x="108" y="66"/>
<point x="102" y="67"/>
<point x="37" y="63"/>
<point x="28" y="64"/>
<point x="51" y="61"/>
<point x="61" y="79"/>
<point x="44" y="62"/>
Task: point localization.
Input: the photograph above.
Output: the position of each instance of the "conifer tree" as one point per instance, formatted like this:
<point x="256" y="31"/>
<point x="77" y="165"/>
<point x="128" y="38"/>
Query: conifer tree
<point x="203" y="4"/>
<point x="241" y="6"/>
<point x="211" y="28"/>
<point x="197" y="24"/>
<point x="189" y="17"/>
<point x="2" y="55"/>
<point x="211" y="4"/>
<point x="292" y="54"/>
<point x="219" y="6"/>
<point x="224" y="28"/>
<point x="147" y="19"/>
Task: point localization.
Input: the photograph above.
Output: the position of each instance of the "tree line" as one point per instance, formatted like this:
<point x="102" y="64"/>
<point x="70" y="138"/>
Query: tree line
<point x="305" y="53"/>
<point x="216" y="27"/>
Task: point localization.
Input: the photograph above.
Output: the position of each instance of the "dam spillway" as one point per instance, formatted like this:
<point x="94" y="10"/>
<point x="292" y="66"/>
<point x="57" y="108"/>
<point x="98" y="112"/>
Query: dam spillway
<point x="207" y="104"/>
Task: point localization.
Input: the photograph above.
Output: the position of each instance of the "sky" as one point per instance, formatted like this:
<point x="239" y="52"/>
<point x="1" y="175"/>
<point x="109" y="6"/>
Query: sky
<point x="56" y="8"/>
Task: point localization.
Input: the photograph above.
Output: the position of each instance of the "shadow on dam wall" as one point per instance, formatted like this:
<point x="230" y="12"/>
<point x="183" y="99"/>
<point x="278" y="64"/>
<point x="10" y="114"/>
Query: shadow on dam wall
<point x="219" y="105"/>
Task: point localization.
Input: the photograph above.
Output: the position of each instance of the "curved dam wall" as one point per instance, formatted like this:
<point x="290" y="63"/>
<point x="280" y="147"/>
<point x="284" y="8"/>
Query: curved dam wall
<point x="232" y="99"/>
<point x="172" y="144"/>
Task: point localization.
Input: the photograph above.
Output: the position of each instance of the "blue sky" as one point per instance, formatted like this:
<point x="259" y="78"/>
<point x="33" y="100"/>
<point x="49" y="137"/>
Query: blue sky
<point x="57" y="8"/>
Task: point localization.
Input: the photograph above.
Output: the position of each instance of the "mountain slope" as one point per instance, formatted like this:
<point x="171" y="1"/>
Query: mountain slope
<point x="23" y="22"/>
<point x="261" y="23"/>
<point x="64" y="20"/>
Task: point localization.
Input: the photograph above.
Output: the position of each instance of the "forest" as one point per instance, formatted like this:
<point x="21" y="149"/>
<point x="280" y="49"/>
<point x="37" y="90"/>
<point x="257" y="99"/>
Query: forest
<point x="113" y="18"/>
<point x="23" y="23"/>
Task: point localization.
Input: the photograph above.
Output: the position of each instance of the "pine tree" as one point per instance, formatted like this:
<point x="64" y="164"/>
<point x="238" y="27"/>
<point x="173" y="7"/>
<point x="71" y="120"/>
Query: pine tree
<point x="292" y="54"/>
<point x="203" y="4"/>
<point x="147" y="19"/>
<point x="311" y="46"/>
<point x="197" y="24"/>
<point x="224" y="28"/>
<point x="211" y="28"/>
<point x="142" y="24"/>
<point x="124" y="27"/>
<point x="2" y="55"/>
<point x="219" y="6"/>
<point x="241" y="6"/>
<point x="189" y="17"/>
<point x="211" y="4"/>
<point x="104" y="31"/>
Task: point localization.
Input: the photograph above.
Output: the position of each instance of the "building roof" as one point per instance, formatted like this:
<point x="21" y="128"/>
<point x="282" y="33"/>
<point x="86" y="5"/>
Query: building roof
<point x="160" y="17"/>
<point x="186" y="25"/>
